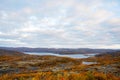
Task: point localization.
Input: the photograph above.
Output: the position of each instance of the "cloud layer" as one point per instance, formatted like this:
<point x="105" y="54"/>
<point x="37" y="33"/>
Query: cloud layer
<point x="60" y="23"/>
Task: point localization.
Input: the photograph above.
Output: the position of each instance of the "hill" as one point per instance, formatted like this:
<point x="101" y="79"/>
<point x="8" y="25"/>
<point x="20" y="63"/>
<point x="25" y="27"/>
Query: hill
<point x="10" y="53"/>
<point x="60" y="50"/>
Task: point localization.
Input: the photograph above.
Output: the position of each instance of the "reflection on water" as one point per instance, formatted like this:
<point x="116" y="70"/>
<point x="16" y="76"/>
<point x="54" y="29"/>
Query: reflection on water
<point x="65" y="55"/>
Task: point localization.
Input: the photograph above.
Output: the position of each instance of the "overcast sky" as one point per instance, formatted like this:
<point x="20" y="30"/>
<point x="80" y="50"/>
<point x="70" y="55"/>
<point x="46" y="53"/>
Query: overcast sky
<point x="60" y="23"/>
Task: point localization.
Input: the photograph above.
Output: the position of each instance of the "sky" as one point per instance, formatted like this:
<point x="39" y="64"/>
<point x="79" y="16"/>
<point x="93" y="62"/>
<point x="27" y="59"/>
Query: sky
<point x="60" y="23"/>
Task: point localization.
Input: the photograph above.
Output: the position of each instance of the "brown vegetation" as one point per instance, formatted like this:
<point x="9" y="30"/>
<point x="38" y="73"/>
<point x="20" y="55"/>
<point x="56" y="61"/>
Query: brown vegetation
<point x="29" y="67"/>
<point x="60" y="76"/>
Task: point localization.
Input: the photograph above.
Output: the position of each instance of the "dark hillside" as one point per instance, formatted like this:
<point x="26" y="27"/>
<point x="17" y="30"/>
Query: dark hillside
<point x="113" y="54"/>
<point x="10" y="53"/>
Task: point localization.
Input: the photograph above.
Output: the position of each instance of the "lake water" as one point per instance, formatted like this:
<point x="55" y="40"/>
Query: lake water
<point x="64" y="55"/>
<point x="88" y="63"/>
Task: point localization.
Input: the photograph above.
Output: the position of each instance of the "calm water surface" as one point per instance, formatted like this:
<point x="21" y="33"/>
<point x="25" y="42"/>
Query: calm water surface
<point x="65" y="55"/>
<point x="88" y="63"/>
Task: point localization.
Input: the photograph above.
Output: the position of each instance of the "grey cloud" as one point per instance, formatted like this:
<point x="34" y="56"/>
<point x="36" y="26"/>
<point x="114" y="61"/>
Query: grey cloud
<point x="63" y="23"/>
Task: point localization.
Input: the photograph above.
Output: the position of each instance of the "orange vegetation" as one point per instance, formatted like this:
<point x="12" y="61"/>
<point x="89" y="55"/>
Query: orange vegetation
<point x="59" y="76"/>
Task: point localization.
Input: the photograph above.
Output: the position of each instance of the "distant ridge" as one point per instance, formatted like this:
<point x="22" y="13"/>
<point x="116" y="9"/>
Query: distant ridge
<point x="10" y="53"/>
<point x="60" y="50"/>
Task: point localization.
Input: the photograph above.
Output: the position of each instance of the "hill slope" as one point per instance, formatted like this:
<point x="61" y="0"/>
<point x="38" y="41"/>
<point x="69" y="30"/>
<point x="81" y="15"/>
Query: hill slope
<point x="10" y="53"/>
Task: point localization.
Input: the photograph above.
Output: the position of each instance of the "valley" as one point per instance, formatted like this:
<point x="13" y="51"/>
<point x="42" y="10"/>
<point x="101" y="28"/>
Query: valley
<point x="48" y="67"/>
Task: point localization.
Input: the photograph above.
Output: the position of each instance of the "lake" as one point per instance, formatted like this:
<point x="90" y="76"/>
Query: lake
<point x="89" y="63"/>
<point x="64" y="55"/>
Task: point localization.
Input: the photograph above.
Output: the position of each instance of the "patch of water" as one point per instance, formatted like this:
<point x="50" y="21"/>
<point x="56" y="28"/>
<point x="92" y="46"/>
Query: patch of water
<point x="65" y="55"/>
